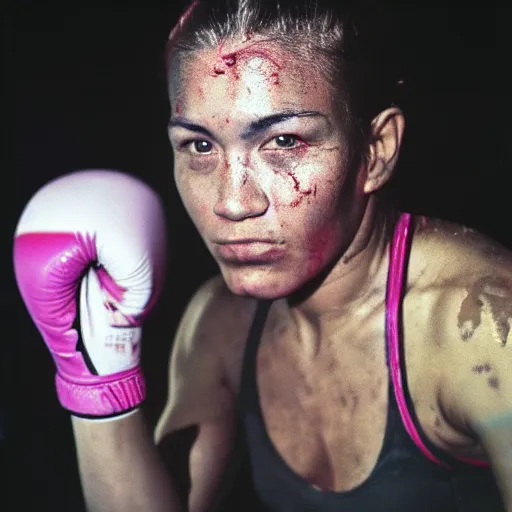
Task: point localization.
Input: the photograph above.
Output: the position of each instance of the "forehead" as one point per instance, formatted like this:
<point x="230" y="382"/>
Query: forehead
<point x="250" y="78"/>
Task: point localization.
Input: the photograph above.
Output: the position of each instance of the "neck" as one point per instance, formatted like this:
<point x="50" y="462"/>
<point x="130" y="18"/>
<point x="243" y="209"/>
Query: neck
<point x="352" y="281"/>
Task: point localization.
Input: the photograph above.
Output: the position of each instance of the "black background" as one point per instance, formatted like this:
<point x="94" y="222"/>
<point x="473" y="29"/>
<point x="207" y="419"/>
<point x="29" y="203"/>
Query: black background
<point x="87" y="87"/>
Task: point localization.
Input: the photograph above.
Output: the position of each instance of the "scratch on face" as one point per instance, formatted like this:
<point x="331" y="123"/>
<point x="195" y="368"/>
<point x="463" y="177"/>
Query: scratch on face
<point x="301" y="192"/>
<point x="492" y="296"/>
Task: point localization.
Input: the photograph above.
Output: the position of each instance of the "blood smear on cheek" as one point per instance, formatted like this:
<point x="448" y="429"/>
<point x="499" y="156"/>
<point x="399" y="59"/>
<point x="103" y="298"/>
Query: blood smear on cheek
<point x="296" y="187"/>
<point x="296" y="184"/>
<point x="298" y="200"/>
<point x="318" y="250"/>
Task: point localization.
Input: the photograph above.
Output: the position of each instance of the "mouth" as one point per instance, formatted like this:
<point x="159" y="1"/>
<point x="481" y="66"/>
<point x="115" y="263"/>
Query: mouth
<point x="244" y="241"/>
<point x="250" y="250"/>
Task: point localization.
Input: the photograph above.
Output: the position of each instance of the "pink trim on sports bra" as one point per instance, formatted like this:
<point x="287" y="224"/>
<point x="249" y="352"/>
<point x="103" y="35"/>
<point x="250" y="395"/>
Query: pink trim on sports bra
<point x="398" y="251"/>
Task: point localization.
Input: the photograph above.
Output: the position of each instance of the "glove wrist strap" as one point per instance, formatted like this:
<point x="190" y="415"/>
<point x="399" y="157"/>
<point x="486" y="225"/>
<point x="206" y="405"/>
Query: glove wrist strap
<point x="102" y="396"/>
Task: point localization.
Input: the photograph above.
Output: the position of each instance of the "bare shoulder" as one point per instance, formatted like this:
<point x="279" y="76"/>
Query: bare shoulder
<point x="466" y="275"/>
<point x="199" y="366"/>
<point x="445" y="252"/>
<point x="212" y="318"/>
<point x="467" y="278"/>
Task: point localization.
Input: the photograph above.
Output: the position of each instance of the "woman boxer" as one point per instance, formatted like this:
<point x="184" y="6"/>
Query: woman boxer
<point x="366" y="353"/>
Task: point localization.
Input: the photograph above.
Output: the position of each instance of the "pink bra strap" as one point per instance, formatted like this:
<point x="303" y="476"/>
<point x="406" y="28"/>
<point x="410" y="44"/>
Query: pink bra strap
<point x="398" y="253"/>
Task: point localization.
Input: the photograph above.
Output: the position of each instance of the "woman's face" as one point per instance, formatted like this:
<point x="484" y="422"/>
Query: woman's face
<point x="261" y="165"/>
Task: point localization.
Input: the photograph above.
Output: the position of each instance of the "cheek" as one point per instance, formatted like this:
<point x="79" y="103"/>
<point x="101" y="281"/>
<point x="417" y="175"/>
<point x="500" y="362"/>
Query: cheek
<point x="310" y="187"/>
<point x="290" y="183"/>
<point x="195" y="199"/>
<point x="311" y="216"/>
<point x="319" y="248"/>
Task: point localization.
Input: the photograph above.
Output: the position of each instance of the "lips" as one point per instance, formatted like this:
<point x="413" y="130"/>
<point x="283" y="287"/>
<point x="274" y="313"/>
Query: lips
<point x="250" y="250"/>
<point x="241" y="241"/>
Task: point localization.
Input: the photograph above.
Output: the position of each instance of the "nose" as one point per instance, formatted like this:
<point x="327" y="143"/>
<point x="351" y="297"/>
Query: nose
<point x="240" y="196"/>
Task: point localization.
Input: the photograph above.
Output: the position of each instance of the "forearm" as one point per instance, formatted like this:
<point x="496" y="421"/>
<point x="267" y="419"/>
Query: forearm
<point x="495" y="433"/>
<point x="120" y="468"/>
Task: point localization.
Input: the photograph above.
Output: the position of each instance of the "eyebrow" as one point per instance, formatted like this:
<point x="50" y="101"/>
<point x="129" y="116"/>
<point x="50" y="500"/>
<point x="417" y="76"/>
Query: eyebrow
<point x="180" y="121"/>
<point x="254" y="128"/>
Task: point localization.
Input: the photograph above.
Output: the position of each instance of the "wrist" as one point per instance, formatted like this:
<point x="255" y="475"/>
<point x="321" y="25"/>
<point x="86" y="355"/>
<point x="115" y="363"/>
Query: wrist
<point x="91" y="419"/>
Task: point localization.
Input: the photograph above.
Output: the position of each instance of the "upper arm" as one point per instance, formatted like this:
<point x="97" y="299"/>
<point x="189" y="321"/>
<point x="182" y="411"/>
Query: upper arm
<point x="495" y="433"/>
<point x="197" y="390"/>
<point x="196" y="430"/>
<point x="478" y="380"/>
<point x="486" y="405"/>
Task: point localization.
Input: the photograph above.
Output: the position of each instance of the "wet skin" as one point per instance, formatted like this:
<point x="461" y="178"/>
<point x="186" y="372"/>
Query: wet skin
<point x="261" y="154"/>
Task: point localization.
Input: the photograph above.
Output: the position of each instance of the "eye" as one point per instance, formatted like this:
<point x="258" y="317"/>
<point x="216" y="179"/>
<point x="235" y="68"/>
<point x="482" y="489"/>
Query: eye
<point x="201" y="146"/>
<point x="286" y="141"/>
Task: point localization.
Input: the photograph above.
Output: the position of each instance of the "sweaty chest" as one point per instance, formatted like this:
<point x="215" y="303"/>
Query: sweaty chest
<point x="324" y="414"/>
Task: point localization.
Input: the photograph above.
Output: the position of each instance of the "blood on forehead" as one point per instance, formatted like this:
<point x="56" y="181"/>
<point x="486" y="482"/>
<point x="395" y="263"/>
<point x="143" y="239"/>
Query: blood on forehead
<point x="270" y="57"/>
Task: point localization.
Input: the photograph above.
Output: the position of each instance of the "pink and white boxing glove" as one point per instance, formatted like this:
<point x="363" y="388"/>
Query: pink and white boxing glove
<point x="89" y="258"/>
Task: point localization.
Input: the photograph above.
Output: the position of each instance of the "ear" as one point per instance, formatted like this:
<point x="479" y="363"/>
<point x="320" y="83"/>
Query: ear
<point x="386" y="138"/>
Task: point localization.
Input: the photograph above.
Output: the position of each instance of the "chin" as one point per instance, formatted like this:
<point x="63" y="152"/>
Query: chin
<point x="260" y="283"/>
